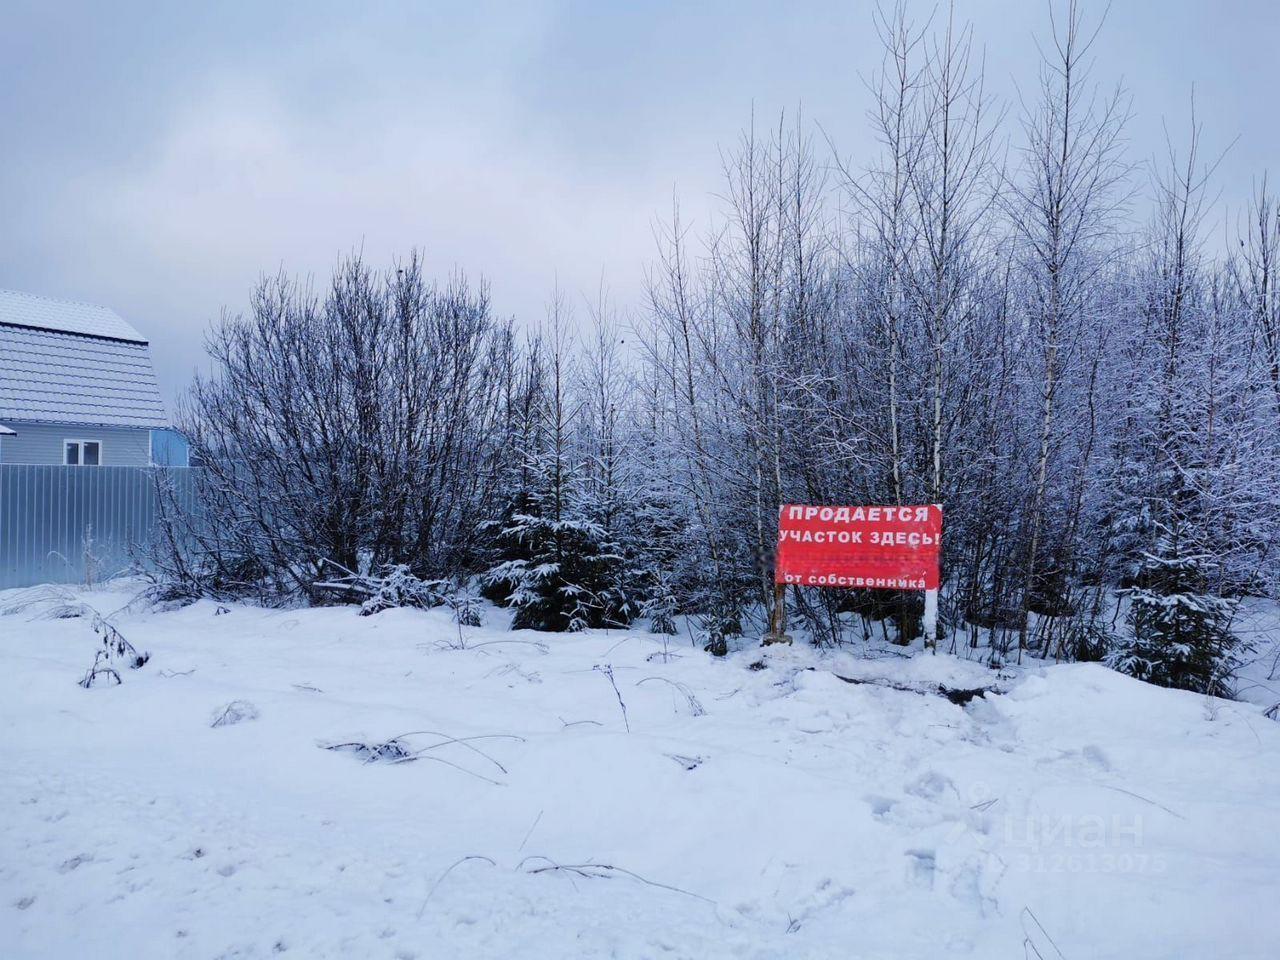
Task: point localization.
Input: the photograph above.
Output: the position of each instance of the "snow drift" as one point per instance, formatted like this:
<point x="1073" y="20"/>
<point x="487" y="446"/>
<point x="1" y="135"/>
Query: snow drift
<point x="501" y="793"/>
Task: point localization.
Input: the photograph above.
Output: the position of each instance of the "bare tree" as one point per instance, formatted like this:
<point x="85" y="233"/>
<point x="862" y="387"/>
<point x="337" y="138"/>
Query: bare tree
<point x="1064" y="208"/>
<point x="361" y="429"/>
<point x="1256" y="272"/>
<point x="952" y="190"/>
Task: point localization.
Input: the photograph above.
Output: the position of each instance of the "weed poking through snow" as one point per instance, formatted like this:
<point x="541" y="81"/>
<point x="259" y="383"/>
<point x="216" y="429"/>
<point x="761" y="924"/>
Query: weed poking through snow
<point x="695" y="706"/>
<point x="114" y="650"/>
<point x="400" y="749"/>
<point x="606" y="670"/>
<point x="58" y="603"/>
<point x="237" y="711"/>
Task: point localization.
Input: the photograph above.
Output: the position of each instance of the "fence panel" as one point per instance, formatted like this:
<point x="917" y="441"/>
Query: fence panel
<point x="79" y="524"/>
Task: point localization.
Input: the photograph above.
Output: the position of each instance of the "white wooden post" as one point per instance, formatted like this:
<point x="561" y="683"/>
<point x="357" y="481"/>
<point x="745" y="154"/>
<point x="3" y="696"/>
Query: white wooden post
<point x="931" y="619"/>
<point x="931" y="601"/>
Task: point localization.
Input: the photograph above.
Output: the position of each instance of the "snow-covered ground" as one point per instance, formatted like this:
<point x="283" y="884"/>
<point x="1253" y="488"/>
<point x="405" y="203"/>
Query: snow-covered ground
<point x="767" y="812"/>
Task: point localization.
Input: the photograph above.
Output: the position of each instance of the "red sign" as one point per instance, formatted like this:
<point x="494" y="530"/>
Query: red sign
<point x="878" y="548"/>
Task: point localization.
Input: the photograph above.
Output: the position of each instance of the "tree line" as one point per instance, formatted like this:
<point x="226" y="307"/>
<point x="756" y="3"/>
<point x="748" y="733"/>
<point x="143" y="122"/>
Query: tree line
<point x="969" y="318"/>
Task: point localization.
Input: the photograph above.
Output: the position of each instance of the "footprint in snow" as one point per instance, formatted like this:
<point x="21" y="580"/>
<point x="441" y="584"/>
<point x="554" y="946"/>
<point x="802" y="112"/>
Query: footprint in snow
<point x="881" y="807"/>
<point x="921" y="865"/>
<point x="1095" y="755"/>
<point x="931" y="785"/>
<point x="1091" y="754"/>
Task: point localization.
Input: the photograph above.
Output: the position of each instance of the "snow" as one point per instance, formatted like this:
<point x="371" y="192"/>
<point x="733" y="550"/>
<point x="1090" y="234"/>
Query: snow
<point x="1076" y="814"/>
<point x="1258" y="680"/>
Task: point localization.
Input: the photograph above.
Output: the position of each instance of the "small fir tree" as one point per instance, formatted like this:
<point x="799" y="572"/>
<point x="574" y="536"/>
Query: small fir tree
<point x="1179" y="633"/>
<point x="556" y="567"/>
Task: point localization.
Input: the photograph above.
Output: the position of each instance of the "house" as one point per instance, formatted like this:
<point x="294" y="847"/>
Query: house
<point x="77" y="387"/>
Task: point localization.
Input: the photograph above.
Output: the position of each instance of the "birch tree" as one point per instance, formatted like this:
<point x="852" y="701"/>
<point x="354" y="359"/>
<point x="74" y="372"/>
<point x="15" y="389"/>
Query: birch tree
<point x="1064" y="207"/>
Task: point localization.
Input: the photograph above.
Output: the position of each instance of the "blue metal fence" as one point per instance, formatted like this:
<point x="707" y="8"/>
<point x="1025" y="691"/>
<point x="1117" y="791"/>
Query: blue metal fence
<point x="79" y="524"/>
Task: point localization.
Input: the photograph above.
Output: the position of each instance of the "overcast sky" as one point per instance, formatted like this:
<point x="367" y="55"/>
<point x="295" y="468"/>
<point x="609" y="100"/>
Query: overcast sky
<point x="158" y="158"/>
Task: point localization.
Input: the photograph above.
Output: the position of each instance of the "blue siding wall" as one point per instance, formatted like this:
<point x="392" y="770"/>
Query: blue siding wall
<point x="42" y="443"/>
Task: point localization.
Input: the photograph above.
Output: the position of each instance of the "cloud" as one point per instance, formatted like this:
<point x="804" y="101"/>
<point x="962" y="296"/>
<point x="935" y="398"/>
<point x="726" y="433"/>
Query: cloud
<point x="239" y="183"/>
<point x="196" y="147"/>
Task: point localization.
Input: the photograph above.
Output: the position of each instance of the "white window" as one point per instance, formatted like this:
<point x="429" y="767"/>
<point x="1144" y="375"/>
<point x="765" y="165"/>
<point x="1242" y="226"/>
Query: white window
<point x="82" y="453"/>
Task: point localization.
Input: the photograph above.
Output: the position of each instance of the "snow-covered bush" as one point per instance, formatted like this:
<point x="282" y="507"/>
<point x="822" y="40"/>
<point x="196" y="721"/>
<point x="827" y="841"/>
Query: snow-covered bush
<point x="369" y="419"/>
<point x="396" y="586"/>
<point x="1088" y="640"/>
<point x="466" y="607"/>
<point x="717" y="629"/>
<point x="661" y="605"/>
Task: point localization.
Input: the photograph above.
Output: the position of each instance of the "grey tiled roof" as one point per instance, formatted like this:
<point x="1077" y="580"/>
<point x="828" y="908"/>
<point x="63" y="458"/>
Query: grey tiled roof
<point x="28" y="310"/>
<point x="70" y="378"/>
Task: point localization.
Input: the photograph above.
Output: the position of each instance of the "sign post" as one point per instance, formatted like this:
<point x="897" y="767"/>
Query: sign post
<point x="930" y="623"/>
<point x="778" y="619"/>
<point x="869" y="548"/>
